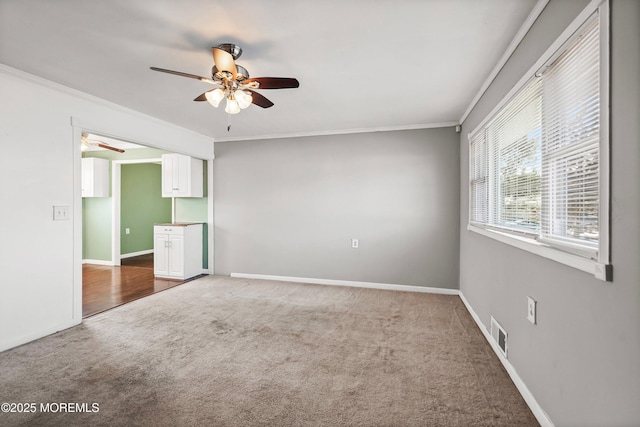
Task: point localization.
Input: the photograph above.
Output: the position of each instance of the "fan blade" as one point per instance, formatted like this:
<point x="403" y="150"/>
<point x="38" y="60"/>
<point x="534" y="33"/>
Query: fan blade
<point x="274" y="82"/>
<point x="203" y="97"/>
<point x="224" y="61"/>
<point x="259" y="100"/>
<point x="101" y="145"/>
<point x="180" y="73"/>
<point x="108" y="147"/>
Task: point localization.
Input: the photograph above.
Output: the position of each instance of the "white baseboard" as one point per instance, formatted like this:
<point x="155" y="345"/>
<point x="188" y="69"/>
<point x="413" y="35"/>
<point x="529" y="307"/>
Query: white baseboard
<point x="371" y="285"/>
<point x="132" y="254"/>
<point x="123" y="256"/>
<point x="97" y="262"/>
<point x="528" y="397"/>
<point x="6" y="345"/>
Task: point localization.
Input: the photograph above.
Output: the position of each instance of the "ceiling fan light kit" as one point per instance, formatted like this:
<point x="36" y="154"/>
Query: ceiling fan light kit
<point x="233" y="81"/>
<point x="215" y="96"/>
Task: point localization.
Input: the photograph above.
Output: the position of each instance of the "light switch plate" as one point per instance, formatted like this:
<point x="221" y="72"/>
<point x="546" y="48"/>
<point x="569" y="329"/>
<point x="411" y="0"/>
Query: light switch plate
<point x="61" y="213"/>
<point x="531" y="310"/>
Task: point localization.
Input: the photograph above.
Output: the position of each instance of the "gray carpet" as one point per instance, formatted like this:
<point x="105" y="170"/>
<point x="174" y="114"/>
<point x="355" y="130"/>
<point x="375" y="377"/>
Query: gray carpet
<point x="235" y="352"/>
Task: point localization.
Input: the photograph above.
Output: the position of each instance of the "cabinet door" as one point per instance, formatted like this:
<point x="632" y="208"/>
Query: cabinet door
<point x="168" y="167"/>
<point x="161" y="254"/>
<point x="87" y="178"/>
<point x="95" y="177"/>
<point x="182" y="176"/>
<point x="176" y="255"/>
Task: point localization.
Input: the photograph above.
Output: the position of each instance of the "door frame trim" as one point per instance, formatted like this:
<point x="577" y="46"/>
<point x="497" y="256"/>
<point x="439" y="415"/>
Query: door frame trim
<point x="113" y="131"/>
<point x="116" y="203"/>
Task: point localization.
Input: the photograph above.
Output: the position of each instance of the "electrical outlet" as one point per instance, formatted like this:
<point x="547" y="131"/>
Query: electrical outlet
<point x="531" y="310"/>
<point x="354" y="243"/>
<point x="61" y="213"/>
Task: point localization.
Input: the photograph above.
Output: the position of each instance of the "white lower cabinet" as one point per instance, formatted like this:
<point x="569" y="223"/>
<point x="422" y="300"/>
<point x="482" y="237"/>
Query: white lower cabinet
<point x="177" y="250"/>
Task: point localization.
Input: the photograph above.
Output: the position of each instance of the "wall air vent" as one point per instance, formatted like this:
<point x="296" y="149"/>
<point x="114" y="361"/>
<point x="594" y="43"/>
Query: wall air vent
<point x="499" y="336"/>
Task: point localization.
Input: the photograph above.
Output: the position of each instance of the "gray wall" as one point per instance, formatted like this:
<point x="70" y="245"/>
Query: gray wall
<point x="582" y="360"/>
<point x="289" y="207"/>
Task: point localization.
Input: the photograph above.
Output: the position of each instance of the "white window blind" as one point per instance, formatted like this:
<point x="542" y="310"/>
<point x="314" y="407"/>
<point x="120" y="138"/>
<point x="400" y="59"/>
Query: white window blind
<point x="534" y="167"/>
<point x="514" y="146"/>
<point x="571" y="135"/>
<point x="479" y="179"/>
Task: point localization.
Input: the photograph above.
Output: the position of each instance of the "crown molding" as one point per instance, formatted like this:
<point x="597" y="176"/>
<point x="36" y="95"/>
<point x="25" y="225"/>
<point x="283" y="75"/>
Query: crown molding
<point x="14" y="72"/>
<point x="23" y="75"/>
<point x="522" y="32"/>
<point x="341" y="131"/>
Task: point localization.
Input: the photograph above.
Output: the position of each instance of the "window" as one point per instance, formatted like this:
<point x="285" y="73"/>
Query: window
<point x="535" y="168"/>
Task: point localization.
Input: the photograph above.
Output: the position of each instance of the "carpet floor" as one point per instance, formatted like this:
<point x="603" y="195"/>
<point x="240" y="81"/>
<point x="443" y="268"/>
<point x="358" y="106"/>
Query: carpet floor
<point x="222" y="351"/>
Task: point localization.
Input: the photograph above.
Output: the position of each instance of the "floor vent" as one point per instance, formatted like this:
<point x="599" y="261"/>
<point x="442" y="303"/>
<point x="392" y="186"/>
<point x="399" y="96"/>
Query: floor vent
<point x="499" y="335"/>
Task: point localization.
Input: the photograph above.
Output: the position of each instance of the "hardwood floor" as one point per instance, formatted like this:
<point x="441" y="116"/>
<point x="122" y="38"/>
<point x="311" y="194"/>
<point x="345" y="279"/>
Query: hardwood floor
<point x="105" y="287"/>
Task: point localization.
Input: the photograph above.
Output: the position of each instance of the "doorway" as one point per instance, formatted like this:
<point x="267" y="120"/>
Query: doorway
<point x="105" y="287"/>
<point x="118" y="265"/>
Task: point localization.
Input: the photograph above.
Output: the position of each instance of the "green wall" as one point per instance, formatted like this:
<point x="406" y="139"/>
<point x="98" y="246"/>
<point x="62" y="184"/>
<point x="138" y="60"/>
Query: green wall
<point x="194" y="209"/>
<point x="96" y="211"/>
<point x="96" y="228"/>
<point x="141" y="206"/>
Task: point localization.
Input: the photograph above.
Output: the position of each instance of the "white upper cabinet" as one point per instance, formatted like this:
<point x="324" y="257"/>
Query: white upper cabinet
<point x="95" y="177"/>
<point x="181" y="176"/>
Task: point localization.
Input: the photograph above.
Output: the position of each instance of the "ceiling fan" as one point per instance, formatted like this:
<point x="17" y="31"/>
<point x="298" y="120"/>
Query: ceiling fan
<point x="233" y="81"/>
<point x="89" y="143"/>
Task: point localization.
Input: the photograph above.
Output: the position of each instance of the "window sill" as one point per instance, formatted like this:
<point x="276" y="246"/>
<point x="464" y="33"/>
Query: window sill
<point x="599" y="270"/>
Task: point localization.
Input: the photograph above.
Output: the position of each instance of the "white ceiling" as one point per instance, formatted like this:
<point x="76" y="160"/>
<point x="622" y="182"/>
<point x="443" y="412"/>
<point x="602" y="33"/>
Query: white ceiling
<point x="361" y="64"/>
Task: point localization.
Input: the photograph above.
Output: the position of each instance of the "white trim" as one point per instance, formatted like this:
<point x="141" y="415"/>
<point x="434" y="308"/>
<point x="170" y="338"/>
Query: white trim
<point x="210" y="221"/>
<point x="138" y="161"/>
<point x="342" y="131"/>
<point x="14" y="72"/>
<point x="116" y="200"/>
<point x="76" y="150"/>
<point x="528" y="397"/>
<point x="535" y="247"/>
<point x="37" y="335"/>
<point x="522" y="32"/>
<point x="370" y="285"/>
<point x="132" y="254"/>
<point x="604" y="163"/>
<point x="98" y="262"/>
<point x="5" y="69"/>
<point x="585" y="264"/>
<point x="116" y="184"/>
<point x="111" y="130"/>
<point x="557" y="44"/>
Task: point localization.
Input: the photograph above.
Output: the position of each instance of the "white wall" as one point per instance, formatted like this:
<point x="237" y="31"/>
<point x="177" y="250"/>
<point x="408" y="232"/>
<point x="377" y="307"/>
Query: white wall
<point x="40" y="167"/>
<point x="582" y="359"/>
